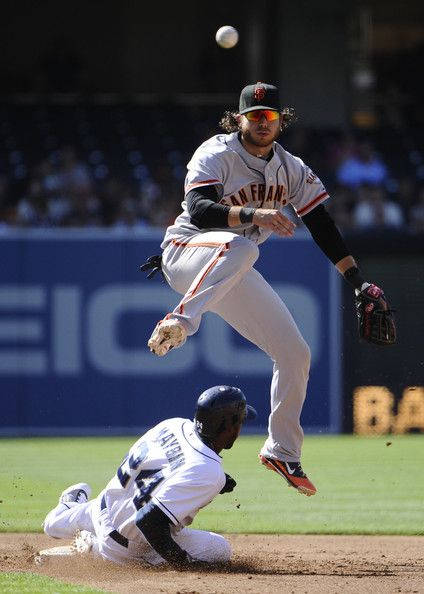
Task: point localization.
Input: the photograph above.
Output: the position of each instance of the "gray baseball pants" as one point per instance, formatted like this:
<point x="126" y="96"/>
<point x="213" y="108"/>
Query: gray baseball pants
<point x="214" y="272"/>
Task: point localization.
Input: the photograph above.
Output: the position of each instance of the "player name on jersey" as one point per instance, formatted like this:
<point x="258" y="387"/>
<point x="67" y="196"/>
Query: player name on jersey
<point x="172" y="448"/>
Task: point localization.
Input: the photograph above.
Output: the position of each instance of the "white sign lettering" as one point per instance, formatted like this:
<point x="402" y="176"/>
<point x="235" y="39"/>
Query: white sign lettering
<point x="62" y="331"/>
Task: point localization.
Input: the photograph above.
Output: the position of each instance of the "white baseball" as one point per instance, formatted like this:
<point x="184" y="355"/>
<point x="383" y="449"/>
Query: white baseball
<point x="227" y="36"/>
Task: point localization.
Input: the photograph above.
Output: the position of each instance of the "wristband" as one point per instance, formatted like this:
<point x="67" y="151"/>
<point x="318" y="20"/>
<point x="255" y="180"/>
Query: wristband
<point x="353" y="277"/>
<point x="246" y="215"/>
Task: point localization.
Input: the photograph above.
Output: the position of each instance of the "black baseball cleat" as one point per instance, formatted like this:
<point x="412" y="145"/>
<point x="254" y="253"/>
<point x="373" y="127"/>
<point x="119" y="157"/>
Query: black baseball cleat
<point x="292" y="472"/>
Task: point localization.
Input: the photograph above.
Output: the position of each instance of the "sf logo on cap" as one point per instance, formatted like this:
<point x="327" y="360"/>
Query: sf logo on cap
<point x="259" y="93"/>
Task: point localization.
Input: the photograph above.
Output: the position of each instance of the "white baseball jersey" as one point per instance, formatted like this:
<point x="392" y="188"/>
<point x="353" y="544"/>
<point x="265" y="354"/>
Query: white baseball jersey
<point x="245" y="180"/>
<point x="170" y="466"/>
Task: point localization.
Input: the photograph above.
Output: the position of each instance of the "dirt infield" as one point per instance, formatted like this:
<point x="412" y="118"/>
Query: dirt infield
<point x="261" y="564"/>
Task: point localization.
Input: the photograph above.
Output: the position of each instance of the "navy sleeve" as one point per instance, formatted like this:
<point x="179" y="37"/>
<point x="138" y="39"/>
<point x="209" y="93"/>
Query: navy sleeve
<point x="154" y="525"/>
<point x="203" y="209"/>
<point x="325" y="234"/>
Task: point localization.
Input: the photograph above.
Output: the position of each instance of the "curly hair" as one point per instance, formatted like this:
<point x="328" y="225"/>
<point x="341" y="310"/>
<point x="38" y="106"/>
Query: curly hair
<point x="229" y="122"/>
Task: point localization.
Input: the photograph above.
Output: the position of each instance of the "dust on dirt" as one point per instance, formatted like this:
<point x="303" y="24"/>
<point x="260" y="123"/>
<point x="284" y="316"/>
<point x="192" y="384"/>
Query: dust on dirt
<point x="262" y="564"/>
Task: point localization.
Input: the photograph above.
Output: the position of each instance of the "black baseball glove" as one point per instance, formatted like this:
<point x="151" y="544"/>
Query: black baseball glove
<point x="376" y="323"/>
<point x="230" y="483"/>
<point x="153" y="265"/>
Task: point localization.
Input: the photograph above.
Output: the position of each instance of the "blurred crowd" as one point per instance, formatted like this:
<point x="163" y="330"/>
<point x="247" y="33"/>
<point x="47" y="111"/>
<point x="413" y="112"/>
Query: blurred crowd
<point x="370" y="189"/>
<point x="373" y="184"/>
<point x="65" y="191"/>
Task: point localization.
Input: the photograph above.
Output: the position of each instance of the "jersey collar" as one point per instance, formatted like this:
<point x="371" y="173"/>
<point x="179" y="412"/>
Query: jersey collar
<point x="234" y="143"/>
<point x="196" y="443"/>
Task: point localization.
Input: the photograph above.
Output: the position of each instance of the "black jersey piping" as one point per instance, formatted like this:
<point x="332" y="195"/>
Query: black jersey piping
<point x="168" y="510"/>
<point x="237" y="153"/>
<point x="253" y="169"/>
<point x="282" y="164"/>
<point x="276" y="173"/>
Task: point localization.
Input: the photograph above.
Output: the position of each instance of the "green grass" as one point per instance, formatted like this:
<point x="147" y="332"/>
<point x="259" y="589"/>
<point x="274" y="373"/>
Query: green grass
<point x="21" y="583"/>
<point x="364" y="486"/>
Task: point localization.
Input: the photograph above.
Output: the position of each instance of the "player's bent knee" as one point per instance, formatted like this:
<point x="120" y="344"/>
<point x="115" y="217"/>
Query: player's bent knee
<point x="297" y="355"/>
<point x="222" y="550"/>
<point x="305" y="353"/>
<point x="49" y="527"/>
<point x="210" y="547"/>
<point x="302" y="356"/>
<point x="226" y="550"/>
<point x="300" y="351"/>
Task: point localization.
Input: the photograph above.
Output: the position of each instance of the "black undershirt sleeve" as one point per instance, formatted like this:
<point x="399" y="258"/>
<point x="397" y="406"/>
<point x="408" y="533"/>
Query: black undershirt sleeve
<point x="155" y="526"/>
<point x="325" y="234"/>
<point x="205" y="213"/>
<point x="203" y="209"/>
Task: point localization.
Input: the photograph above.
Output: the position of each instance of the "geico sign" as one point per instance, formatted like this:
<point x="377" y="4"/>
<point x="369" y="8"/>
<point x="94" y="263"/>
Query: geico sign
<point x="61" y="330"/>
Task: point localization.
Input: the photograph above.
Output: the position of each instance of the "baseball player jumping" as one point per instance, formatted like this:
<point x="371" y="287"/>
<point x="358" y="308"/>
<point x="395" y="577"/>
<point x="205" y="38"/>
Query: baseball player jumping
<point x="236" y="186"/>
<point x="171" y="472"/>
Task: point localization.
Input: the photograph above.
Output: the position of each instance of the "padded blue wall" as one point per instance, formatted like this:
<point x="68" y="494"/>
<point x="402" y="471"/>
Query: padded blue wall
<point x="75" y="315"/>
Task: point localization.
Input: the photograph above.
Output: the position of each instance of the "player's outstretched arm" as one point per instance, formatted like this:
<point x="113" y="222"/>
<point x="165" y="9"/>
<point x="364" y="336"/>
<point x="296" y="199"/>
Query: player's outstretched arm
<point x="375" y="318"/>
<point x="155" y="526"/>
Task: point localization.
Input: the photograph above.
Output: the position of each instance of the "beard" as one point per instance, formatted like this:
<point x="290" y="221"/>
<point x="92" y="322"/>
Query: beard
<point x="259" y="141"/>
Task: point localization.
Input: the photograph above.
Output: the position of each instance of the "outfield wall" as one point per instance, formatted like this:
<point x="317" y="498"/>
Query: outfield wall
<point x="384" y="387"/>
<point x="75" y="315"/>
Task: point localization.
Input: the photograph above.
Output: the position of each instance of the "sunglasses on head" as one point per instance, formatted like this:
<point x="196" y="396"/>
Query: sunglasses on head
<point x="256" y="116"/>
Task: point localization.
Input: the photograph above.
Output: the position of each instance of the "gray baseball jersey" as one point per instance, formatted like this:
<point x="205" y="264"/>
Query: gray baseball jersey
<point x="245" y="180"/>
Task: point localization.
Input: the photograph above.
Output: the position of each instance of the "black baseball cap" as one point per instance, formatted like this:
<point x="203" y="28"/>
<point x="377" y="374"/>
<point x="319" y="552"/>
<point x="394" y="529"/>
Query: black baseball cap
<point x="259" y="96"/>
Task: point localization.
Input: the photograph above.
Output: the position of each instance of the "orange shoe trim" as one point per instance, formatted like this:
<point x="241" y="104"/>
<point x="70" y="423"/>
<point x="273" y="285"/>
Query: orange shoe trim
<point x="294" y="481"/>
